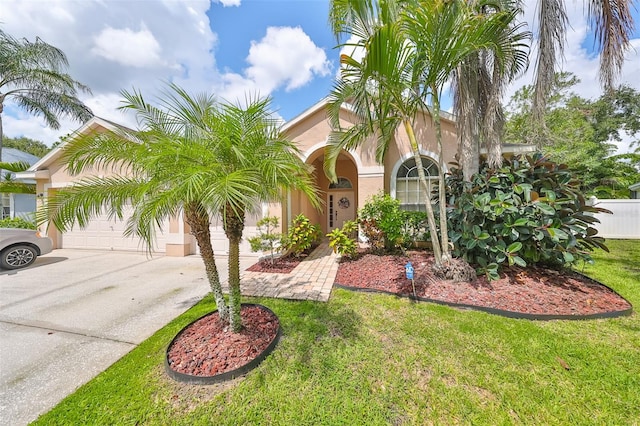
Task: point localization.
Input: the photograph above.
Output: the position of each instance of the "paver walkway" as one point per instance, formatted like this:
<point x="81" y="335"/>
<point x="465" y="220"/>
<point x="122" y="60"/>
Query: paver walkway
<point x="312" y="279"/>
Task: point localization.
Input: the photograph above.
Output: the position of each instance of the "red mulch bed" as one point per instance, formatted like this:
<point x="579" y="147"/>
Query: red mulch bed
<point x="532" y="290"/>
<point x="206" y="348"/>
<point x="282" y="265"/>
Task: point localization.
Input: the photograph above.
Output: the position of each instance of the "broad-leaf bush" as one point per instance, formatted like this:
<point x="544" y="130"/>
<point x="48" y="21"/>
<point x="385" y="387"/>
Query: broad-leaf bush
<point x="529" y="211"/>
<point x="302" y="236"/>
<point x="386" y="227"/>
<point x="381" y="222"/>
<point x="343" y="240"/>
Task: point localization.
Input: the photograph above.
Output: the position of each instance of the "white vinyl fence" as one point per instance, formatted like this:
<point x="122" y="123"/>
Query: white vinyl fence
<point x="623" y="223"/>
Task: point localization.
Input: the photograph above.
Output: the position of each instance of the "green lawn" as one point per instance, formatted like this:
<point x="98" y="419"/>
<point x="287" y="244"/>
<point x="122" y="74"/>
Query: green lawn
<point x="376" y="359"/>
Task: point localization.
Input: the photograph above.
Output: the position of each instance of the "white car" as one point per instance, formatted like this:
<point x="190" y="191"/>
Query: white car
<point x="20" y="247"/>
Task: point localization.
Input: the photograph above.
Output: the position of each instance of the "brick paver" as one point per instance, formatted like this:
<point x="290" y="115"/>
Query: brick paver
<point x="312" y="279"/>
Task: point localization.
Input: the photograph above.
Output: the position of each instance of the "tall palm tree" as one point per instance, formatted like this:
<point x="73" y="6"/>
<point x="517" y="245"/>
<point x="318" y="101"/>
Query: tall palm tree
<point x="410" y="51"/>
<point x="478" y="87"/>
<point x="613" y="25"/>
<point x="32" y="74"/>
<point x="192" y="155"/>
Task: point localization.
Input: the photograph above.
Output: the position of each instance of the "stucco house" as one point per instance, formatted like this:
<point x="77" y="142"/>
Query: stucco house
<point x="360" y="177"/>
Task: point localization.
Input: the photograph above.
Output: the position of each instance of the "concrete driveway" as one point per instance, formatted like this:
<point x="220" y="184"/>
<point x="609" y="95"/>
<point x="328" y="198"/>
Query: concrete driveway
<point x="74" y="313"/>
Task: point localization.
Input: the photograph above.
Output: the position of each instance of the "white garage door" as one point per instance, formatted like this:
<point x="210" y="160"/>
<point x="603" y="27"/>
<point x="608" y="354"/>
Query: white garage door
<point x="105" y="234"/>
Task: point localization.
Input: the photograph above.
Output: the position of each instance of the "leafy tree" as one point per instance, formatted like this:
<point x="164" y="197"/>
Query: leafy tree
<point x="31" y="146"/>
<point x="580" y="133"/>
<point x="410" y="50"/>
<point x="194" y="156"/>
<point x="32" y="74"/>
<point x="613" y="24"/>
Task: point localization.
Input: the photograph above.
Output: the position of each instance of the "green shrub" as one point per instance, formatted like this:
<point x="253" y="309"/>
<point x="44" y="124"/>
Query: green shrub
<point x="17" y="222"/>
<point x="301" y="236"/>
<point x="528" y="211"/>
<point x="382" y="222"/>
<point x="343" y="241"/>
<point x="387" y="227"/>
<point x="267" y="239"/>
<point x="414" y="228"/>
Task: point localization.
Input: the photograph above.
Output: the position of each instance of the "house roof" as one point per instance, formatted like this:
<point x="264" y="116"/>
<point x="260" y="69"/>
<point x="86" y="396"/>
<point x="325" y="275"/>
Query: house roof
<point x="13" y="155"/>
<point x="322" y="103"/>
<point x="635" y="187"/>
<point x="39" y="169"/>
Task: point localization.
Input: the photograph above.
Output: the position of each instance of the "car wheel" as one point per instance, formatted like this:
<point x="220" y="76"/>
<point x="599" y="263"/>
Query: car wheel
<point x="18" y="257"/>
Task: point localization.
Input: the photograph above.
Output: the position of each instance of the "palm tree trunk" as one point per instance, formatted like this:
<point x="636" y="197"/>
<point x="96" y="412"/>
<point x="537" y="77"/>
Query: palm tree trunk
<point x="235" y="321"/>
<point x="466" y="106"/>
<point x="493" y="125"/>
<point x="442" y="198"/>
<point x="431" y="220"/>
<point x="1" y="131"/>
<point x="233" y="224"/>
<point x="197" y="218"/>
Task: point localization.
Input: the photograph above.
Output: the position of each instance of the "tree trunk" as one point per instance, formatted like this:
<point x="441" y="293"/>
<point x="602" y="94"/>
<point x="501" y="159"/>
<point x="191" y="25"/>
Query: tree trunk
<point x="1" y="131"/>
<point x="233" y="224"/>
<point x="235" y="320"/>
<point x="493" y="123"/>
<point x="442" y="195"/>
<point x="198" y="219"/>
<point x="466" y="107"/>
<point x="431" y="220"/>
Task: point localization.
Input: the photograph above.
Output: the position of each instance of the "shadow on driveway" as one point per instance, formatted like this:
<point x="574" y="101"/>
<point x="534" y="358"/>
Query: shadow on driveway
<point x="40" y="261"/>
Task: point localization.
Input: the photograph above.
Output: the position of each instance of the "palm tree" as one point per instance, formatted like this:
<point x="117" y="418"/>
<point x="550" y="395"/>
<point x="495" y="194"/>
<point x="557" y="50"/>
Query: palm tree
<point x="8" y="185"/>
<point x="32" y="75"/>
<point x="478" y="87"/>
<point x="410" y="50"/>
<point x="613" y="24"/>
<point x="192" y="155"/>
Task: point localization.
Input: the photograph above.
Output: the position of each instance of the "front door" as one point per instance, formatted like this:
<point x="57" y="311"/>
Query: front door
<point x="341" y="207"/>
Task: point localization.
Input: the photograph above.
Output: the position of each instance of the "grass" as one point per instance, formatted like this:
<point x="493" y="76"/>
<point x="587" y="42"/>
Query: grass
<point x="376" y="360"/>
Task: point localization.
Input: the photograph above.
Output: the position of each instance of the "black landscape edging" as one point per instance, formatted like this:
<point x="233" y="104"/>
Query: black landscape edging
<point x="228" y="375"/>
<point x="500" y="312"/>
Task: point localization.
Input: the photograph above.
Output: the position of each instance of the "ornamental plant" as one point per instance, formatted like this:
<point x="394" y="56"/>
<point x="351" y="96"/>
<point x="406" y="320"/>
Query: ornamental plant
<point x="414" y="228"/>
<point x="302" y="236"/>
<point x="382" y="222"/>
<point x="343" y="240"/>
<point x="267" y="239"/>
<point x="529" y="211"/>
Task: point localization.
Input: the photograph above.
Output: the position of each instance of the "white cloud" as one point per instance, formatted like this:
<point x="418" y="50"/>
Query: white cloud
<point x="128" y="47"/>
<point x="227" y="3"/>
<point x="285" y="56"/>
<point x="116" y="45"/>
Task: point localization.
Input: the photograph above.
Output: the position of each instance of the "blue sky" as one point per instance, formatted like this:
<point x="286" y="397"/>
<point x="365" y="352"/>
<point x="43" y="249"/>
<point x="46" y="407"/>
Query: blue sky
<point x="280" y="48"/>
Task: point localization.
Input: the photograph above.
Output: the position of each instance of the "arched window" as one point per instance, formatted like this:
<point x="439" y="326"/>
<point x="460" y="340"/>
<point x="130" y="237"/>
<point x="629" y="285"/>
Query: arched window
<point x="342" y="183"/>
<point x="408" y="190"/>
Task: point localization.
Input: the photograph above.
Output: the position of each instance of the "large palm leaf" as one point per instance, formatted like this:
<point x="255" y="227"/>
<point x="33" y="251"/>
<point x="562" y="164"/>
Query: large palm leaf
<point x="613" y="25"/>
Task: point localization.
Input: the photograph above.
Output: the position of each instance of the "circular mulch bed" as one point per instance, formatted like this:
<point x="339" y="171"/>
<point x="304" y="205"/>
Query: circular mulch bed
<point x="206" y="352"/>
<point x="533" y="292"/>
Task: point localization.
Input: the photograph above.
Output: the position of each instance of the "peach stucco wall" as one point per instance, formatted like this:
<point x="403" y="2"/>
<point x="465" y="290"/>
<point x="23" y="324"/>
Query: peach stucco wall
<point x="310" y="132"/>
<point x="360" y="166"/>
